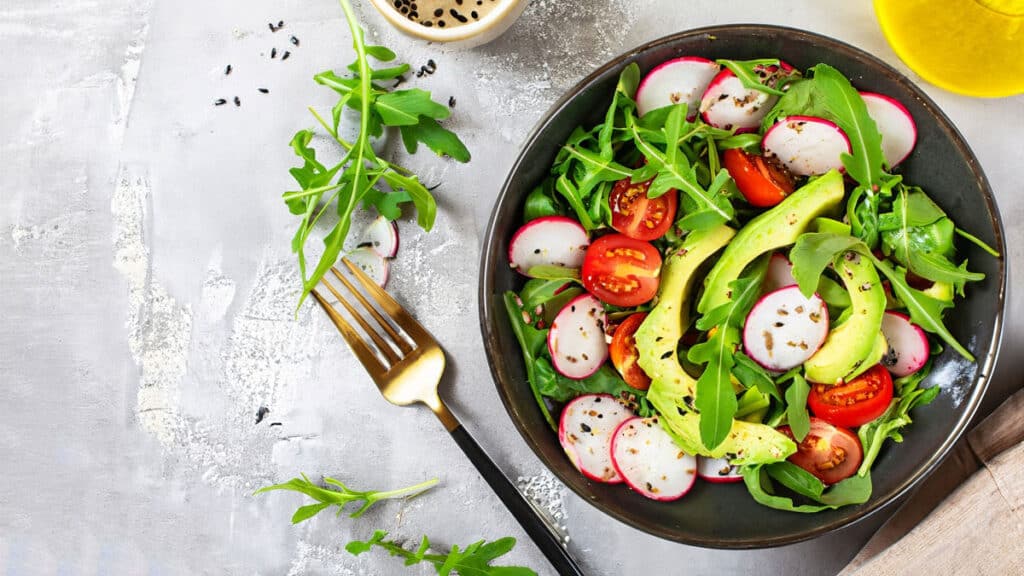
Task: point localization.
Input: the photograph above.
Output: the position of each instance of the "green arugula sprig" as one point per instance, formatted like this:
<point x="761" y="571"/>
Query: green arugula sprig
<point x="472" y="560"/>
<point x="357" y="178"/>
<point x="327" y="497"/>
<point x="908" y="395"/>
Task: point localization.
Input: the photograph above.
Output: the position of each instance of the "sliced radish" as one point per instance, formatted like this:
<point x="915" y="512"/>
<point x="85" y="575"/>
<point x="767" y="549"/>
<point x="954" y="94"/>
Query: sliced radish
<point x="585" y="432"/>
<point x="899" y="133"/>
<point x="550" y="241"/>
<point x="382" y="236"/>
<point x="650" y="461"/>
<point x="806" y="145"/>
<point x="676" y="81"/>
<point x="779" y="273"/>
<point x="908" y="345"/>
<point x="370" y="262"/>
<point x="728" y="104"/>
<point x="717" y="470"/>
<point x="785" y="328"/>
<point x="576" y="339"/>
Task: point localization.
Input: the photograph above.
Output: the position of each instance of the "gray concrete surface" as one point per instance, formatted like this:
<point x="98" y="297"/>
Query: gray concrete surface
<point x="148" y="289"/>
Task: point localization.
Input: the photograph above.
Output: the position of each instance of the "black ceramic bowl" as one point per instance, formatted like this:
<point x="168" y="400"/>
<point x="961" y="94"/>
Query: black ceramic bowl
<point x="724" y="515"/>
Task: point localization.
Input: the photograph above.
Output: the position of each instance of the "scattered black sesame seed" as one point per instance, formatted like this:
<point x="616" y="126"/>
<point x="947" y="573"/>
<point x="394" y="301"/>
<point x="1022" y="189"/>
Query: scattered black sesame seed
<point x="294" y="41"/>
<point x="227" y="70"/>
<point x="439" y="12"/>
<point x="431" y="65"/>
<point x="434" y="187"/>
<point x="404" y="9"/>
<point x="220" y="102"/>
<point x="285" y="55"/>
<point x="455" y="14"/>
<point x="272" y="27"/>
<point x="398" y="4"/>
<point x="440" y="23"/>
<point x="414" y="7"/>
<point x="451" y="101"/>
<point x="273" y="52"/>
<point x="459" y="2"/>
<point x="427" y="23"/>
<point x="275" y="423"/>
<point x="238" y="101"/>
<point x="280" y="24"/>
<point x="262" y="413"/>
<point x="263" y="91"/>
<point x="414" y="15"/>
<point x="474" y="15"/>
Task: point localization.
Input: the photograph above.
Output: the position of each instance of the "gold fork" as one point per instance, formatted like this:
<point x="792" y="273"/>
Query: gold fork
<point x="407" y="370"/>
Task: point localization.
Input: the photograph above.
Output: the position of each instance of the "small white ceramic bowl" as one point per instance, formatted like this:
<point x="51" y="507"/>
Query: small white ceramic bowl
<point x="468" y="35"/>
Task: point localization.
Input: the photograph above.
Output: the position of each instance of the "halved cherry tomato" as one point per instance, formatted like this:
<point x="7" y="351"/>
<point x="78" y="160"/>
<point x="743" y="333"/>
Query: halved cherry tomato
<point x="830" y="453"/>
<point x="640" y="217"/>
<point x="624" y="354"/>
<point x="853" y="403"/>
<point x="621" y="271"/>
<point x="762" y="182"/>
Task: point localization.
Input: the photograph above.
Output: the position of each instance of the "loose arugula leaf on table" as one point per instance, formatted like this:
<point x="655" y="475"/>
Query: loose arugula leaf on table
<point x="473" y="560"/>
<point x="758" y="479"/>
<point x="716" y="399"/>
<point x="919" y="235"/>
<point x="908" y="395"/>
<point x="353" y="181"/>
<point x="341" y="496"/>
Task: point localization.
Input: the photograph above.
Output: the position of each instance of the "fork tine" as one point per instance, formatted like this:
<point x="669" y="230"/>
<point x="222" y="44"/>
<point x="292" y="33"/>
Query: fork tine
<point x="359" y="347"/>
<point x="413" y="328"/>
<point x="382" y="345"/>
<point x="399" y="340"/>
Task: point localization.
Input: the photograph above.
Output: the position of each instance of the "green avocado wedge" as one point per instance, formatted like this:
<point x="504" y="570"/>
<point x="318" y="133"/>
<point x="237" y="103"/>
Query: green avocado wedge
<point x="672" y="390"/>
<point x="771" y="230"/>
<point x="850" y="348"/>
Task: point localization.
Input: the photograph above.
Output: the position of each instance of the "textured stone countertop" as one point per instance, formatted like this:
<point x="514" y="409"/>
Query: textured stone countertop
<point x="148" y="287"/>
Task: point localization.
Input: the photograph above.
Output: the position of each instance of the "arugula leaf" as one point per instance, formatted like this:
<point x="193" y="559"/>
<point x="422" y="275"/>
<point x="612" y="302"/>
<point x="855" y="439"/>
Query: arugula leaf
<point x="919" y="235"/>
<point x="812" y="253"/>
<point x="753" y="375"/>
<point x="909" y="395"/>
<point x="796" y="407"/>
<point x="354" y="180"/>
<point x="716" y="399"/>
<point x="796" y="479"/>
<point x="757" y="74"/>
<point x="562" y="389"/>
<point x="541" y="202"/>
<point x="532" y="343"/>
<point x="854" y="490"/>
<point x="572" y="195"/>
<point x="472" y="560"/>
<point x="328" y="497"/>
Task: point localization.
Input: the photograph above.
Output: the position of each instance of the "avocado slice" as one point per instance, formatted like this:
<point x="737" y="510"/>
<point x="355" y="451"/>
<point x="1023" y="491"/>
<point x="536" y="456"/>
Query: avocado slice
<point x="850" y="348"/>
<point x="773" y="229"/>
<point x="672" y="390"/>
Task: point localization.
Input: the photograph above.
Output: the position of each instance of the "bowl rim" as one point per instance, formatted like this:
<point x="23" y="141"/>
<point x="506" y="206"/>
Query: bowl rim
<point x="985" y="361"/>
<point x="505" y="9"/>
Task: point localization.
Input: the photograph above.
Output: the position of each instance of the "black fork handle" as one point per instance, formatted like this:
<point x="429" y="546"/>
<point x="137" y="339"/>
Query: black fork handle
<point x="542" y="535"/>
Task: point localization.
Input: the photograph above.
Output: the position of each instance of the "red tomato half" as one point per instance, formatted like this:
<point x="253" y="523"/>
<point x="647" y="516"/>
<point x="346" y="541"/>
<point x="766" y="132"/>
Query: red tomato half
<point x="640" y="217"/>
<point x="853" y="403"/>
<point x="621" y="271"/>
<point x="762" y="183"/>
<point x="831" y="454"/>
<point x="624" y="354"/>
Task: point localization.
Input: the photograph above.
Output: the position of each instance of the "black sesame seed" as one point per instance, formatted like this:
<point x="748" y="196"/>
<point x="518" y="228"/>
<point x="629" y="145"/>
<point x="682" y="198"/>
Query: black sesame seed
<point x="459" y="2"/>
<point x="227" y="70"/>
<point x="455" y="14"/>
<point x="273" y="52"/>
<point x="439" y="12"/>
<point x="427" y="23"/>
<point x="272" y="27"/>
<point x="451" y="101"/>
<point x="440" y="23"/>
<point x="285" y="55"/>
<point x="413" y="6"/>
<point x="280" y="24"/>
<point x="474" y="15"/>
<point x="238" y="101"/>
<point x="479" y="2"/>
<point x="294" y="41"/>
<point x="220" y="102"/>
<point x="263" y="91"/>
<point x="431" y="66"/>
<point x="398" y="4"/>
<point x="404" y="9"/>
<point x="414" y="15"/>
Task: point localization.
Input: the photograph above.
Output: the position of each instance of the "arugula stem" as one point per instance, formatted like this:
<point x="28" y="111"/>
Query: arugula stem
<point x="348" y="145"/>
<point x="977" y="242"/>
<point x="407" y="490"/>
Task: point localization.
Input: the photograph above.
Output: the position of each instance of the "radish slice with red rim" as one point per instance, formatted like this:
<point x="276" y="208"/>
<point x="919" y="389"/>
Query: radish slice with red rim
<point x="650" y="461"/>
<point x="908" y="345"/>
<point x="728" y="104"/>
<point x="371" y="263"/>
<point x="548" y="241"/>
<point x="717" y="470"/>
<point x="674" y="82"/>
<point x="779" y="273"/>
<point x="585" y="432"/>
<point x="896" y="125"/>
<point x="576" y="340"/>
<point x="382" y="236"/>
<point x="785" y="328"/>
<point x="806" y="145"/>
